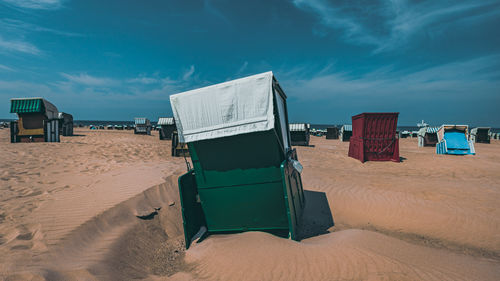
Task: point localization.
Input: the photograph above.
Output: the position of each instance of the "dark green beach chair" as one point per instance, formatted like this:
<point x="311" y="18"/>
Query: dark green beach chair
<point x="245" y="174"/>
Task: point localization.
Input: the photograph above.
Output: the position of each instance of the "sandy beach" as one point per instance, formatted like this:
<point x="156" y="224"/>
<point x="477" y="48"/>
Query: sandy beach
<point x="70" y="211"/>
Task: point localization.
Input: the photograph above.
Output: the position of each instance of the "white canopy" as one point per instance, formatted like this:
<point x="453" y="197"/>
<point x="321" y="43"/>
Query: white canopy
<point x="166" y="121"/>
<point x="443" y="128"/>
<point x="142" y="121"/>
<point x="298" y="127"/>
<point x="236" y="107"/>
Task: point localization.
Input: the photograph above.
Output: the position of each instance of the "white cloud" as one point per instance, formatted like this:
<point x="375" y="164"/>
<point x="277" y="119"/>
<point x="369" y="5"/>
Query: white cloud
<point x="188" y="74"/>
<point x="143" y="80"/>
<point x="36" y="4"/>
<point x="388" y="24"/>
<point x="169" y="81"/>
<point x="5" y="68"/>
<point x="151" y="87"/>
<point x="87" y="80"/>
<point x="211" y="9"/>
<point x="462" y="91"/>
<point x="458" y="81"/>
<point x="141" y="84"/>
<point x="242" y="68"/>
<point x="18" y="46"/>
<point x="17" y="30"/>
<point x="118" y="98"/>
<point x="19" y="27"/>
<point x="338" y="17"/>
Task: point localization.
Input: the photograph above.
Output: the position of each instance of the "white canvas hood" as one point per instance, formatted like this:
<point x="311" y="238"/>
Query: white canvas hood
<point x="231" y="108"/>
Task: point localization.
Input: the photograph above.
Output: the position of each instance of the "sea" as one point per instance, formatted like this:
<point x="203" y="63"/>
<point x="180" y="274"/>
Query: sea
<point x="400" y="128"/>
<point x="315" y="126"/>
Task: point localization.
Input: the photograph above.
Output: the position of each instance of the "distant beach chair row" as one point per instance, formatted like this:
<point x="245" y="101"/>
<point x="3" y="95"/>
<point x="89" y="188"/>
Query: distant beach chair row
<point x="111" y="127"/>
<point x="334" y="133"/>
<point x="407" y="134"/>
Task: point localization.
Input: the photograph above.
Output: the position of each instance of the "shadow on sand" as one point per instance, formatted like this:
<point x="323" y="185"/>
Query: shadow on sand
<point x="317" y="217"/>
<point x="149" y="216"/>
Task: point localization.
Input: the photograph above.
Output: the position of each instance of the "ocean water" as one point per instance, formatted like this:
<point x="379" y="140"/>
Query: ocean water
<point x="316" y="126"/>
<point x="400" y="128"/>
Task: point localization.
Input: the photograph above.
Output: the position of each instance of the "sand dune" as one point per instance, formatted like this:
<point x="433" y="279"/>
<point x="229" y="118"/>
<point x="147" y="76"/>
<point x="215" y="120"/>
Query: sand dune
<point x="69" y="211"/>
<point x="116" y="245"/>
<point x="344" y="255"/>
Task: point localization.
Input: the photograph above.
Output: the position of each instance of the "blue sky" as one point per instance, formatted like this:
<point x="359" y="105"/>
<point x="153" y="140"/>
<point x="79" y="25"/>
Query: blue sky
<point x="114" y="60"/>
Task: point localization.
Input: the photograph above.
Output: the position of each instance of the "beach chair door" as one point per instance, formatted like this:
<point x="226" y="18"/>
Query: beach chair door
<point x="283" y="119"/>
<point x="291" y="177"/>
<point x="14" y="130"/>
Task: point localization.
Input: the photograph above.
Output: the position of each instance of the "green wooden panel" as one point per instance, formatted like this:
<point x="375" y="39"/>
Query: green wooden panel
<point x="254" y="150"/>
<point x="244" y="207"/>
<point x="242" y="159"/>
<point x="210" y="179"/>
<point x="192" y="214"/>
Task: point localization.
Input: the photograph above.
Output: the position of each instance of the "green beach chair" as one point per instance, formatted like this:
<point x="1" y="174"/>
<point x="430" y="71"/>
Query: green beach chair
<point x="245" y="174"/>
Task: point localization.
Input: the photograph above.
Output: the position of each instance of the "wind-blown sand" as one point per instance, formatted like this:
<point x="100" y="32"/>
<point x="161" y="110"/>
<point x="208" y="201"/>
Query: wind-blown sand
<point x="68" y="211"/>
